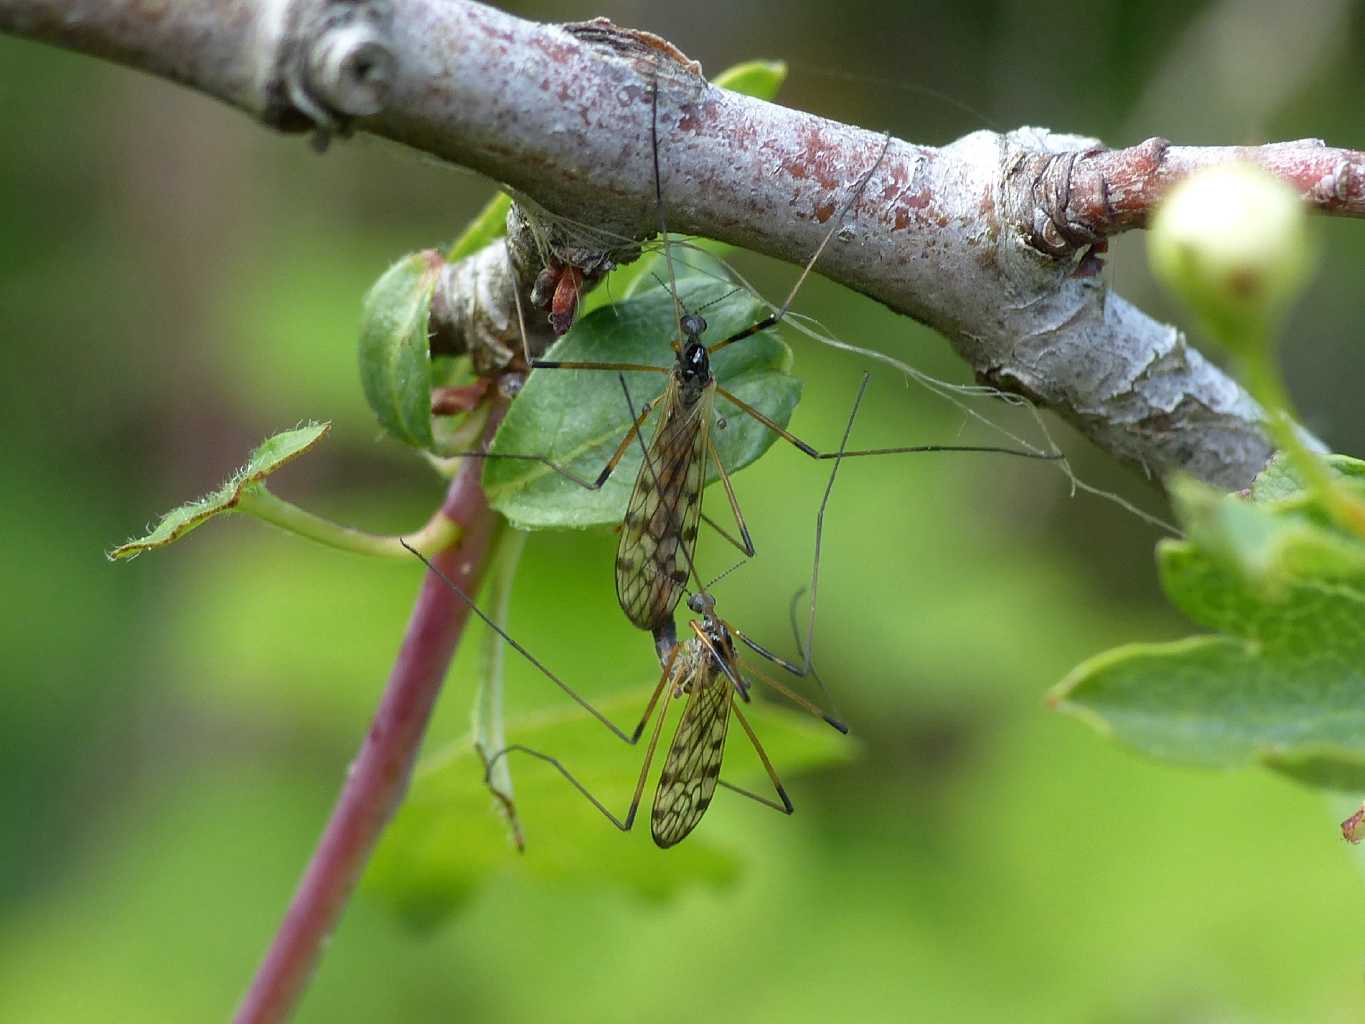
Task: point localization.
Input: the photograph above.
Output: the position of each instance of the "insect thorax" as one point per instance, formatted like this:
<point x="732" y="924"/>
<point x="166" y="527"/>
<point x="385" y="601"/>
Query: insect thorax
<point x="692" y="372"/>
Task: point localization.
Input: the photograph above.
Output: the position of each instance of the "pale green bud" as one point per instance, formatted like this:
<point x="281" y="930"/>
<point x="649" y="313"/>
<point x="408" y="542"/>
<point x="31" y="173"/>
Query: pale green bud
<point x="1233" y="242"/>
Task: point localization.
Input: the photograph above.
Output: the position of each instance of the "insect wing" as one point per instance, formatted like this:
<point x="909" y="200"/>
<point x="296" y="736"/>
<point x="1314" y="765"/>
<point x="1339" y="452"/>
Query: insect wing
<point x="692" y="767"/>
<point x="664" y="512"/>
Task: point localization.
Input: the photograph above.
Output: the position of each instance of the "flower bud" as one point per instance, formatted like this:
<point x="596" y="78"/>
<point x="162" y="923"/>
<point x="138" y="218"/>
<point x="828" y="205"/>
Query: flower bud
<point x="1233" y="242"/>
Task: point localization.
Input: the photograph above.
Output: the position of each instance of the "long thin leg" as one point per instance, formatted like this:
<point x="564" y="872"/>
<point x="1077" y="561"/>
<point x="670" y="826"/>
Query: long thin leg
<point x="786" y="435"/>
<point x="624" y="824"/>
<point x="796" y="698"/>
<point x="807" y="649"/>
<point x="555" y="364"/>
<point x="589" y="485"/>
<point x="582" y="702"/>
<point x="748" y="547"/>
<point x="772" y="319"/>
<point x="786" y="806"/>
<point x="727" y="535"/>
<point x="763" y="652"/>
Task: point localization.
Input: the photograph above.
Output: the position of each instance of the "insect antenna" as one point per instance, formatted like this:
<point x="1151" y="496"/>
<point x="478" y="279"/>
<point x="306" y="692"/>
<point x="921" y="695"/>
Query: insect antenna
<point x="659" y="202"/>
<point x="807" y="649"/>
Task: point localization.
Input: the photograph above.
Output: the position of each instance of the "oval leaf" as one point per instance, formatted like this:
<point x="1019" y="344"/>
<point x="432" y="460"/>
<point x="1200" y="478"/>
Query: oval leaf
<point x="576" y="418"/>
<point x="269" y="456"/>
<point x="395" y="361"/>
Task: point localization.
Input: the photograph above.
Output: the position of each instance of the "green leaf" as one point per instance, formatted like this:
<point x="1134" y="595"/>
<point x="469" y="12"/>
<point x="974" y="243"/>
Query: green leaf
<point x="448" y="839"/>
<point x="760" y="78"/>
<point x="395" y="362"/>
<point x="1281" y="478"/>
<point x="1269" y="542"/>
<point x="269" y="456"/>
<point x="489" y="225"/>
<point x="577" y="417"/>
<point x="1282" y="680"/>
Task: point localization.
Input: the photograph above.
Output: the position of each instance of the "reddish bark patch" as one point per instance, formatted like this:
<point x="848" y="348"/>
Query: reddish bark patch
<point x="1353" y="828"/>
<point x="557" y="51"/>
<point x="812" y="160"/>
<point x="694" y="119"/>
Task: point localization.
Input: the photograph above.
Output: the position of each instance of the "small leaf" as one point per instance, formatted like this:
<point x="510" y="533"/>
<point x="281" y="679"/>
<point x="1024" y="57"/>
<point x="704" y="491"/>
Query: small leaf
<point x="395" y="362"/>
<point x="1281" y="479"/>
<point x="269" y="456"/>
<point x="488" y="225"/>
<point x="577" y="417"/>
<point x="760" y="78"/>
<point x="1283" y="681"/>
<point x="447" y="840"/>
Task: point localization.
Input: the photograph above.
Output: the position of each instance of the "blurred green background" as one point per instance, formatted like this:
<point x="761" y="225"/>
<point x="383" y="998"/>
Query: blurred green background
<point x="176" y="284"/>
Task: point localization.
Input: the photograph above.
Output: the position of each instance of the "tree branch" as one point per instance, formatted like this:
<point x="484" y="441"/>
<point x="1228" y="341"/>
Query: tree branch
<point x="379" y="775"/>
<point x="992" y="240"/>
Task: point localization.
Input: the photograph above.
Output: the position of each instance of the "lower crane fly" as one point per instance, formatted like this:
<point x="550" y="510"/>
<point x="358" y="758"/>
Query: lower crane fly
<point x="706" y="669"/>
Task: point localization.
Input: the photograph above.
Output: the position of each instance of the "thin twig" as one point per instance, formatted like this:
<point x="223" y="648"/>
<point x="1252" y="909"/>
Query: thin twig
<point x="379" y="775"/>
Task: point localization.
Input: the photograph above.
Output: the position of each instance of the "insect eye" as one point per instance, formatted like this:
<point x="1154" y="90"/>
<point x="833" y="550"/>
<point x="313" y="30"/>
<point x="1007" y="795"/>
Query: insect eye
<point x="692" y="324"/>
<point x="695" y="603"/>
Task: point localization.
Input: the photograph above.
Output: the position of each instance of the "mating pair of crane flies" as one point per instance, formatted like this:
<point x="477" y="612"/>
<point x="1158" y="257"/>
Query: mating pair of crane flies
<point x="659" y="531"/>
<point x="706" y="669"/>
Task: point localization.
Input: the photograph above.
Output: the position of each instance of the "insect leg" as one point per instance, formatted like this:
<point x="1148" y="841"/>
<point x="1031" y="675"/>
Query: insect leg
<point x="748" y="546"/>
<point x="726" y="534"/>
<point x="785" y="806"/>
<point x="573" y="694"/>
<point x="796" y="698"/>
<point x="555" y="364"/>
<point x="786" y="435"/>
<point x="624" y="823"/>
<point x="568" y="474"/>
<point x="807" y="649"/>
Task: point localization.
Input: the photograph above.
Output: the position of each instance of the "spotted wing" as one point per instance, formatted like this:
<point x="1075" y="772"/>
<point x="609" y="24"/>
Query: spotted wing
<point x="664" y="512"/>
<point x="693" y="764"/>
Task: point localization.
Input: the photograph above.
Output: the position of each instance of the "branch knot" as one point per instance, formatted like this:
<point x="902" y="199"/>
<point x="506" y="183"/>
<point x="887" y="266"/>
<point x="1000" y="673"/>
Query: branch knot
<point x="336" y="63"/>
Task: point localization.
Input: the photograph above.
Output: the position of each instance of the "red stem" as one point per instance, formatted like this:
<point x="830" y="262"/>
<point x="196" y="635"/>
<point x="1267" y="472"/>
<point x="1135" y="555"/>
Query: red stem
<point x="379" y="775"/>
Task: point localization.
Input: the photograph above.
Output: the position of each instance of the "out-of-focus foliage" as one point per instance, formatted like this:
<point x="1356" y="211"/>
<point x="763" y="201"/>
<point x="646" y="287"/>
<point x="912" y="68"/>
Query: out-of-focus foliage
<point x="1283" y="679"/>
<point x="177" y="283"/>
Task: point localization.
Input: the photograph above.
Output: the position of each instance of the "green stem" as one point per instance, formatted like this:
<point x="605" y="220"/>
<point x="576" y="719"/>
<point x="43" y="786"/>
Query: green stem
<point x="487" y="724"/>
<point x="438" y="534"/>
<point x="1262" y="379"/>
